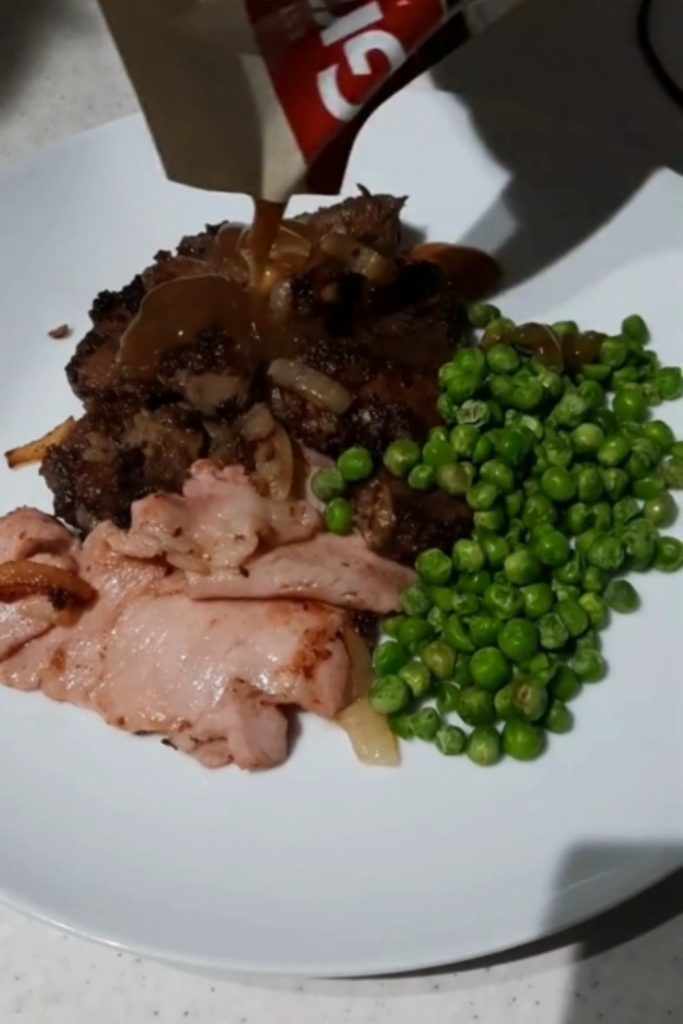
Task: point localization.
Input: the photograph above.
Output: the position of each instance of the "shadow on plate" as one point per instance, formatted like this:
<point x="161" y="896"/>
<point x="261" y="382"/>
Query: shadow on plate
<point x="26" y="29"/>
<point x="576" y="64"/>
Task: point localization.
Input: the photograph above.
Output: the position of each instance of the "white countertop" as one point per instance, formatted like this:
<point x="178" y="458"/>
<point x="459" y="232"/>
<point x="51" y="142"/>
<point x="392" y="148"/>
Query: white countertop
<point x="59" y="74"/>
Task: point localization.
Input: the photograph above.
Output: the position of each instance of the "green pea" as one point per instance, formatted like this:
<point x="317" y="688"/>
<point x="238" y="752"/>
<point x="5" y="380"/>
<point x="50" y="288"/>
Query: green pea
<point x="550" y="546"/>
<point x="447" y="409"/>
<point x="613" y="353"/>
<point x="607" y="553"/>
<point x="401" y="725"/>
<point x="648" y="487"/>
<point x="339" y="516"/>
<point x="538" y="508"/>
<point x="475" y="706"/>
<point x="638" y="465"/>
<point x="482" y="495"/>
<point x="426" y="723"/>
<point x="503" y="703"/>
<point x="439" y="658"/>
<point x="514" y="503"/>
<point x="389" y="695"/>
<point x="462" y="677"/>
<point x="596" y="610"/>
<point x="558" y="484"/>
<point x="417" y="678"/>
<point x="614" y="451"/>
<point x="484" y="630"/>
<point x="465" y="604"/>
<point x="565" y="686"/>
<point x="421" y="478"/>
<point x="529" y="700"/>
<point x="672" y="470"/>
<point x="447" y="698"/>
<point x="495" y="548"/>
<point x="661" y="510"/>
<point x="661" y="433"/>
<point x="589" y="484"/>
<point x="474" y="412"/>
<point x="500" y="474"/>
<point x="483" y="450"/>
<point x="552" y="383"/>
<point x="456" y="635"/>
<point x="602" y="516"/>
<point x="669" y="381"/>
<point x="543" y="668"/>
<point x="327" y="484"/>
<point x="522" y="740"/>
<point x="538" y="600"/>
<point x="433" y="566"/>
<point x="622" y="597"/>
<point x="490" y="668"/>
<point x="463" y="440"/>
<point x="471" y="360"/>
<point x="558" y="718"/>
<point x="468" y="556"/>
<point x="450" y="740"/>
<point x="634" y="328"/>
<point x="496" y="331"/>
<point x="388" y="658"/>
<point x="454" y="478"/>
<point x="523" y="567"/>
<point x="596" y="372"/>
<point x="578" y="518"/>
<point x="668" y="554"/>
<point x="491" y="520"/>
<point x="416" y="600"/>
<point x="566" y="591"/>
<point x="565" y="328"/>
<point x="677" y="449"/>
<point x="588" y="665"/>
<point x="436" y="619"/>
<point x="483" y="746"/>
<point x="441" y="597"/>
<point x="518" y="640"/>
<point x="355" y="464"/>
<point x="391" y="625"/>
<point x="574" y="616"/>
<point x="503" y="600"/>
<point x="553" y="633"/>
<point x="625" y="510"/>
<point x="616" y="483"/>
<point x="571" y="572"/>
<point x="592" y="394"/>
<point x="639" y="544"/>
<point x="437" y="452"/>
<point x="511" y="447"/>
<point x="413" y="632"/>
<point x="595" y="580"/>
<point x="606" y="420"/>
<point x="481" y="314"/>
<point x="401" y="456"/>
<point x="571" y="410"/>
<point x="502" y="359"/>
<point x="463" y="386"/>
<point x="630" y="404"/>
<point x="586" y="439"/>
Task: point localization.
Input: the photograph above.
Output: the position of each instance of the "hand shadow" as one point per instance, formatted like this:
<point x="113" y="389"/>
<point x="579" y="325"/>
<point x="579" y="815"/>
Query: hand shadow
<point x="573" y="64"/>
<point x="26" y="29"/>
<point x="642" y="985"/>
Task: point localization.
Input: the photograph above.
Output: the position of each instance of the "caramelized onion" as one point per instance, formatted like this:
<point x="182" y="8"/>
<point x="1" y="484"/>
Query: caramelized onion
<point x="35" y="451"/>
<point x="274" y="463"/>
<point x="539" y="342"/>
<point x="315" y="387"/>
<point x="358" y="258"/>
<point x="578" y="349"/>
<point x="257" y="424"/>
<point x="372" y="740"/>
<point x="27" y="578"/>
<point x="474" y="272"/>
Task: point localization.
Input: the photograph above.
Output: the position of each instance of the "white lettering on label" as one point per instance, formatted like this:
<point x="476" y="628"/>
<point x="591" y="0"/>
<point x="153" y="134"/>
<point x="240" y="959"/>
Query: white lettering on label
<point x="357" y="51"/>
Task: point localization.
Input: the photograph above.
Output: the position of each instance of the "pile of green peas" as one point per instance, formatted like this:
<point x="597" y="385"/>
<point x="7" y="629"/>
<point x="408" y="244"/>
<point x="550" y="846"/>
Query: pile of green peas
<point x="569" y="480"/>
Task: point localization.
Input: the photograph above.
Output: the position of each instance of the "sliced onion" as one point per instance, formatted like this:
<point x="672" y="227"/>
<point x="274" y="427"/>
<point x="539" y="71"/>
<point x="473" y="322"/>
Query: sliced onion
<point x="274" y="461"/>
<point x="27" y="578"/>
<point x="315" y="387"/>
<point x="358" y="258"/>
<point x="35" y="451"/>
<point x="372" y="740"/>
<point x="257" y="424"/>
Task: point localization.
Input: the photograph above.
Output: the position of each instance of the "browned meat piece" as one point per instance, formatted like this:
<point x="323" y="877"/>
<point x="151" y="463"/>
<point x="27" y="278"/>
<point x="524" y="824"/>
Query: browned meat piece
<point x="118" y="454"/>
<point x="374" y="220"/>
<point x="398" y="522"/>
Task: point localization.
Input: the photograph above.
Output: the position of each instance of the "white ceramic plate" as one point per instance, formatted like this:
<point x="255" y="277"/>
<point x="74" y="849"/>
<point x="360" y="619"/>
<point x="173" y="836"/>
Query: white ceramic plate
<point x="324" y="867"/>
